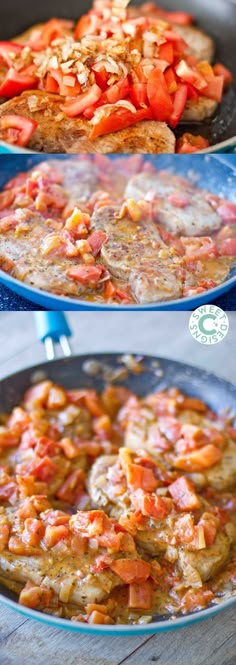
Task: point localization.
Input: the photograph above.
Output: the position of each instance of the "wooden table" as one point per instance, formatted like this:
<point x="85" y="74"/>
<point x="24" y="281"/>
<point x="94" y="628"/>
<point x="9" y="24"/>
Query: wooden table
<point x="26" y="642"/>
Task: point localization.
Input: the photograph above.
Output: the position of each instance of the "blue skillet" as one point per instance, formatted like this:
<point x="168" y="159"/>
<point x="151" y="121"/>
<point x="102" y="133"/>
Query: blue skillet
<point x="71" y="373"/>
<point x="213" y="172"/>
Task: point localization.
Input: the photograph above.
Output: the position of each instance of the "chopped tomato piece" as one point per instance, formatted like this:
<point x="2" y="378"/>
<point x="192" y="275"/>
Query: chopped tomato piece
<point x="90" y="524"/>
<point x="140" y="477"/>
<point x="56" y="397"/>
<point x="131" y="570"/>
<point x="86" y="25"/>
<point x="67" y="86"/>
<point x="199" y="460"/>
<point x="188" y="143"/>
<point x="180" y="99"/>
<point x="179" y="200"/>
<point x="227" y="247"/>
<point x="96" y="240"/>
<point x="119" y="120"/>
<point x="196" y="599"/>
<point x="33" y="531"/>
<point x="82" y="102"/>
<point x="87" y="275"/>
<point x="116" y="92"/>
<point x="227" y="211"/>
<point x="138" y="94"/>
<point x="54" y="534"/>
<point x="100" y="618"/>
<point x="15" y="82"/>
<point x="9" y="51"/>
<point x="214" y="89"/>
<point x="6" y="199"/>
<point x="44" y="469"/>
<point x="51" y="30"/>
<point x="16" y="129"/>
<point x="4" y="536"/>
<point x="183" y="494"/>
<point x="69" y="448"/>
<point x="192" y="403"/>
<point x="101" y="78"/>
<point x="140" y="596"/>
<point x="158" y="96"/>
<point x="190" y="75"/>
<point x="150" y="505"/>
<point x="220" y="70"/>
<point x="33" y="596"/>
<point x="70" y="486"/>
<point x="170" y="79"/>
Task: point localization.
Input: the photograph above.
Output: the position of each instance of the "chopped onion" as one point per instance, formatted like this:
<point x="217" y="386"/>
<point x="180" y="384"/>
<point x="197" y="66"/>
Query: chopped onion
<point x="107" y="109"/>
<point x="65" y="589"/>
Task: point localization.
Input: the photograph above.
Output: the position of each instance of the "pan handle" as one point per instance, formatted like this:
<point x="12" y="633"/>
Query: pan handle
<point x="51" y="329"/>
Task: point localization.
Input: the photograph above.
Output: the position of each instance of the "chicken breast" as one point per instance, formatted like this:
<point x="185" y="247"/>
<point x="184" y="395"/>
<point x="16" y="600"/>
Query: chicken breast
<point x="111" y="488"/>
<point x="131" y="253"/>
<point x="79" y="177"/>
<point x="202" y="110"/>
<point x="56" y="133"/>
<point x="204" y="563"/>
<point x="69" y="574"/>
<point x="195" y="217"/>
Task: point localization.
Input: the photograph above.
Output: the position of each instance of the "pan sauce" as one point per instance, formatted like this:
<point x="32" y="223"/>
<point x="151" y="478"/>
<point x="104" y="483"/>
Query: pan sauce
<point x="83" y="229"/>
<point x="163" y="469"/>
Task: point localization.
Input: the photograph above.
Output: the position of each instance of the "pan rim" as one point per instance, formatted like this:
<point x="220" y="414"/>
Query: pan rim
<point x="121" y="629"/>
<point x="78" y="304"/>
<point x="223" y="146"/>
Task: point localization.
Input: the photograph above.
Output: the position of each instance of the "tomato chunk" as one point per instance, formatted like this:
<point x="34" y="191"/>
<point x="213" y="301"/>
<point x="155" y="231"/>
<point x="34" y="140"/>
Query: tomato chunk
<point x="198" y="460"/>
<point x="131" y="570"/>
<point x="82" y="102"/>
<point x="183" y="493"/>
<point x="158" y="96"/>
<point x="87" y="275"/>
<point x="140" y="477"/>
<point x="140" y="595"/>
<point x="119" y="120"/>
<point x="16" y="129"/>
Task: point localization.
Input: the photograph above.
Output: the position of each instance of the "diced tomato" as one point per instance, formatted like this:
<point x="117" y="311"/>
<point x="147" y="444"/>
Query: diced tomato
<point x="86" y="25"/>
<point x="138" y="94"/>
<point x="33" y="596"/>
<point x="166" y="52"/>
<point x="214" y="89"/>
<point x="15" y="82"/>
<point x="151" y="505"/>
<point x="7" y="439"/>
<point x="119" y="120"/>
<point x="56" y="397"/>
<point x="196" y="599"/>
<point x="44" y="469"/>
<point x="70" y="450"/>
<point x="183" y="494"/>
<point x="101" y="78"/>
<point x="192" y="403"/>
<point x="70" y="486"/>
<point x="179" y="200"/>
<point x="199" y="460"/>
<point x="190" y="75"/>
<point x="210" y="529"/>
<point x="180" y="99"/>
<point x="227" y="211"/>
<point x="5" y="530"/>
<point x="199" y="248"/>
<point x="159" y="99"/>
<point x="86" y="275"/>
<point x="140" y="477"/>
<point x="54" y="534"/>
<point x="140" y="596"/>
<point x="67" y="86"/>
<point x="9" y="51"/>
<point x="96" y="240"/>
<point x="90" y="524"/>
<point x="131" y="570"/>
<point x="51" y="30"/>
<point x="80" y="104"/>
<point x="6" y="199"/>
<point x="89" y="398"/>
<point x="188" y="143"/>
<point x="33" y="531"/>
<point x="220" y="70"/>
<point x="99" y="618"/>
<point x="116" y="92"/>
<point x="170" y="79"/>
<point x="16" y="129"/>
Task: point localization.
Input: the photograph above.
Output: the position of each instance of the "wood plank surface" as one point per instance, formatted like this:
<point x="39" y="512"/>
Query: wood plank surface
<point x="26" y="642"/>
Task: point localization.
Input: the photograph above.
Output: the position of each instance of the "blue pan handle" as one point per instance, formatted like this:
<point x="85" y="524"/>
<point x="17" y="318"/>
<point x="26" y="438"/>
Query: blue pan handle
<point x="52" y="328"/>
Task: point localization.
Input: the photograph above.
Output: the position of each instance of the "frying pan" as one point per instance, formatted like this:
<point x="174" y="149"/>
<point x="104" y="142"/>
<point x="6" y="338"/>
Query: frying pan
<point x="71" y="373"/>
<point x="217" y="173"/>
<point x="218" y="18"/>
